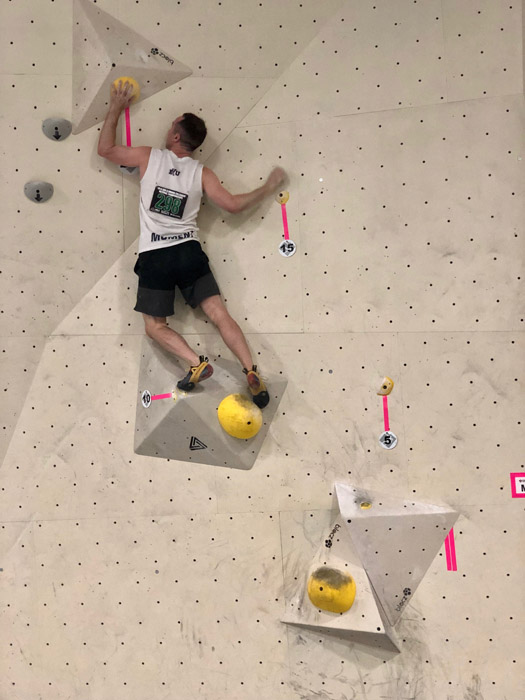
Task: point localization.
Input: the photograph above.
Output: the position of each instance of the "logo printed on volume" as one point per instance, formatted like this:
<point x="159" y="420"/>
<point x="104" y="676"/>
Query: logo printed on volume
<point x="196" y="444"/>
<point x="156" y="52"/>
<point x="328" y="543"/>
<point x="407" y="592"/>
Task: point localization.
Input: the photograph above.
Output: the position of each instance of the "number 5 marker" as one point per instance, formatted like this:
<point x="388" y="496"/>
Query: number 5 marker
<point x="387" y="439"/>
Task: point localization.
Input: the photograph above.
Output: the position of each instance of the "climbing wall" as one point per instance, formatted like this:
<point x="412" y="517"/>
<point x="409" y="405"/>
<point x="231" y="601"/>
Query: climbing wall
<point x="400" y="125"/>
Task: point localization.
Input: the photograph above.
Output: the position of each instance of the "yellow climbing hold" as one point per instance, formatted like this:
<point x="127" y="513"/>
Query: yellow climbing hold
<point x="332" y="590"/>
<point x="386" y="387"/>
<point x="239" y="416"/>
<point x="135" y="88"/>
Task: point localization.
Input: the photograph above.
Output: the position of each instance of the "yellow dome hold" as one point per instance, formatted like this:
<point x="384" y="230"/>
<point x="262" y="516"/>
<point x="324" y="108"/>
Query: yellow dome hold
<point x="331" y="590"/>
<point x="386" y="387"/>
<point x="239" y="416"/>
<point x="282" y="197"/>
<point x="135" y="88"/>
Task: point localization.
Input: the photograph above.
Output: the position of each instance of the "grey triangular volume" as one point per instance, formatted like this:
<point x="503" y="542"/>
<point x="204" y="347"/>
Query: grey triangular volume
<point x="175" y="427"/>
<point x="396" y="541"/>
<point x="364" y="622"/>
<point x="105" y="49"/>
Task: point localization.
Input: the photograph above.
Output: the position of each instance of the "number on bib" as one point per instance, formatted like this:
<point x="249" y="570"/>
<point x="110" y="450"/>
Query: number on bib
<point x="168" y="202"/>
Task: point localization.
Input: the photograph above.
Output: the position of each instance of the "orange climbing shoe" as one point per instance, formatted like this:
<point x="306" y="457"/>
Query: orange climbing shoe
<point x="257" y="387"/>
<point x="196" y="374"/>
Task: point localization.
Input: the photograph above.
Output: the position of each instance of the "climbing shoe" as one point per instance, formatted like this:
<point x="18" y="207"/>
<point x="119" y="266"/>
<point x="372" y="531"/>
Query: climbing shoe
<point x="257" y="387"/>
<point x="196" y="374"/>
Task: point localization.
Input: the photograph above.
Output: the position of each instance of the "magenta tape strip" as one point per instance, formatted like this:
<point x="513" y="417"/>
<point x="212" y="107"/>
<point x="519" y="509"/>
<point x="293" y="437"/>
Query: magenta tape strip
<point x="452" y="549"/>
<point x="161" y="396"/>
<point x="447" y="551"/>
<point x="128" y="128"/>
<point x="285" y="222"/>
<point x="385" y="412"/>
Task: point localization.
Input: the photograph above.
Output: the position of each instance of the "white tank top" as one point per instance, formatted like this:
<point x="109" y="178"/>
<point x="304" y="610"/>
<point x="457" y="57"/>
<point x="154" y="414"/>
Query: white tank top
<point x="170" y="199"/>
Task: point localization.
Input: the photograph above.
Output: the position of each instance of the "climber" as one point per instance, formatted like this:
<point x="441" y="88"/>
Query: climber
<point x="171" y="187"/>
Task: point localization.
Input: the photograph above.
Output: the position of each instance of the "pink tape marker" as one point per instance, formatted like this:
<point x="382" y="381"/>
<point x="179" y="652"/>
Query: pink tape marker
<point x="447" y="551"/>
<point x="285" y="222"/>
<point x="450" y="551"/>
<point x="161" y="396"/>
<point x="385" y="413"/>
<point x="128" y="128"/>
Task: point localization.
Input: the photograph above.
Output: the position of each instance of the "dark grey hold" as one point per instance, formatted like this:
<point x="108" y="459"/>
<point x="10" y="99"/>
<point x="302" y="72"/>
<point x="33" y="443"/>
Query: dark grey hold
<point x="38" y="191"/>
<point x="57" y="129"/>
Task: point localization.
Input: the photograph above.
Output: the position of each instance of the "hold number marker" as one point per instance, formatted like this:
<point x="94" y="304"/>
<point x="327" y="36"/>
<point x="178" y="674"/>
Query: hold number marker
<point x="146" y="397"/>
<point x="387" y="439"/>
<point x="287" y="248"/>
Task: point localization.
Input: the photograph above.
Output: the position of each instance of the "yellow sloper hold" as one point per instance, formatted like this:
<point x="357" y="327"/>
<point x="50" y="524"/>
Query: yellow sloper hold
<point x="386" y="387"/>
<point x="239" y="416"/>
<point x="332" y="590"/>
<point x="282" y="197"/>
<point x="135" y="88"/>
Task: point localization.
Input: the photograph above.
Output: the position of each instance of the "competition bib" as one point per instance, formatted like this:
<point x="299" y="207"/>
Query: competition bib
<point x="168" y="202"/>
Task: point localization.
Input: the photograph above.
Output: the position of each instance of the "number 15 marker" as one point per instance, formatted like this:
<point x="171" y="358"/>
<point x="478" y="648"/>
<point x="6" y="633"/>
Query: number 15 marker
<point x="287" y="248"/>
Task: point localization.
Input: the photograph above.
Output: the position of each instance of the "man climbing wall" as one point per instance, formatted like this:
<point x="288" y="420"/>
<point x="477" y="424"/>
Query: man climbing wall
<point x="170" y="255"/>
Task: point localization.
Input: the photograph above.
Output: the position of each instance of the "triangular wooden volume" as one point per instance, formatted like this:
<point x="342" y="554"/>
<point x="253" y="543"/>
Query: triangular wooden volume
<point x="105" y="49"/>
<point x="184" y="426"/>
<point x="396" y="541"/>
<point x="364" y="622"/>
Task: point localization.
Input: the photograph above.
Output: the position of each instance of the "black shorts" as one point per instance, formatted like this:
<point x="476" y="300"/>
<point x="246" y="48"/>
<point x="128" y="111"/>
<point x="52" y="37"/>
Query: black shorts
<point x="185" y="266"/>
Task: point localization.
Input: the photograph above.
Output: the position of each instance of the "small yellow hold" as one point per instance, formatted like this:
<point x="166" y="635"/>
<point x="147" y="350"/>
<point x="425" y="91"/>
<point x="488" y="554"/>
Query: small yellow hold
<point x="239" y="416"/>
<point x="365" y="505"/>
<point x="282" y="197"/>
<point x="135" y="88"/>
<point x="332" y="590"/>
<point x="386" y="387"/>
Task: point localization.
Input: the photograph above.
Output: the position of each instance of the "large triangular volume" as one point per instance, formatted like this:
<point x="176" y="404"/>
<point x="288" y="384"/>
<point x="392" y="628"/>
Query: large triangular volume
<point x="105" y="49"/>
<point x="363" y="622"/>
<point x="184" y="426"/>
<point x="396" y="541"/>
